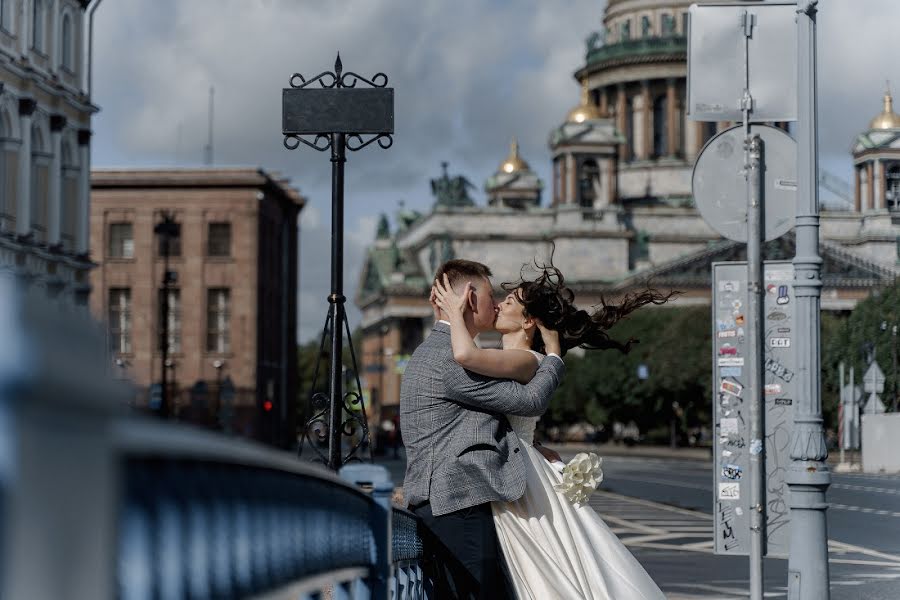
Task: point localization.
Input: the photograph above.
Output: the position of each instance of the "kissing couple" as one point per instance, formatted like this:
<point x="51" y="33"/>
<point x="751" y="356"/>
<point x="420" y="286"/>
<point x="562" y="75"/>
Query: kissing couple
<point x="494" y="526"/>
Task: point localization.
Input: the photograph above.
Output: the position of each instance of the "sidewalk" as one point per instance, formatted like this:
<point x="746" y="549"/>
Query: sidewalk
<point x="702" y="454"/>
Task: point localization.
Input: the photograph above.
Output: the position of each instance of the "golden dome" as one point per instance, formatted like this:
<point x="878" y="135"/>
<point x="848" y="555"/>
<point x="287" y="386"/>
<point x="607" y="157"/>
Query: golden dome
<point x="888" y="119"/>
<point x="586" y="111"/>
<point x="513" y="163"/>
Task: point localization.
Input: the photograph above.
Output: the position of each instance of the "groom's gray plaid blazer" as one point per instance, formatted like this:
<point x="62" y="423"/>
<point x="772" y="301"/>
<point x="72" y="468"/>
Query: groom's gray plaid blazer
<point x="460" y="449"/>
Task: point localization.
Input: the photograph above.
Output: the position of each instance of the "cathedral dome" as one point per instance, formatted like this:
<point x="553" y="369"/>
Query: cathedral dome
<point x="586" y="111"/>
<point x="513" y="163"/>
<point x="888" y="119"/>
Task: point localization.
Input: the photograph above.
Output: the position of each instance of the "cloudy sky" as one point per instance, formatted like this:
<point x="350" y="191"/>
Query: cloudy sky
<point x="468" y="75"/>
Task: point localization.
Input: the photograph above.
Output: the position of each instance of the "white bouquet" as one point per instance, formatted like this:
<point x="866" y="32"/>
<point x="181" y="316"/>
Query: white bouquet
<point x="580" y="477"/>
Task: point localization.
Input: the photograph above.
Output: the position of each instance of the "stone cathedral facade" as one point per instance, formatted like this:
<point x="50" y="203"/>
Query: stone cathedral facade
<point x="619" y="209"/>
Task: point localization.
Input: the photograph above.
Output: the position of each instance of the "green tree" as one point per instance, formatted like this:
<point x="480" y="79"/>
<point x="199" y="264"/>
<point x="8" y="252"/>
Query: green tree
<point x="603" y="386"/>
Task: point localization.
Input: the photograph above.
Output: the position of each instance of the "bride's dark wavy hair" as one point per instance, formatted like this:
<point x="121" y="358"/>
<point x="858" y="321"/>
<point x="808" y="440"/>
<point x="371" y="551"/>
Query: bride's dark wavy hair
<point x="549" y="300"/>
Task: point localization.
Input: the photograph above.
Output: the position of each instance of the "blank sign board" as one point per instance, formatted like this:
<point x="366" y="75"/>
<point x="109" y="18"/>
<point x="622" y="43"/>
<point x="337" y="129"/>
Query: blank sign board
<point x="717" y="66"/>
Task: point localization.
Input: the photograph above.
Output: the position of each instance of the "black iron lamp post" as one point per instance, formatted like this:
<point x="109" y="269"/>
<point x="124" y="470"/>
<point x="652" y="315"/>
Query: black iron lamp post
<point x="167" y="230"/>
<point x="337" y="114"/>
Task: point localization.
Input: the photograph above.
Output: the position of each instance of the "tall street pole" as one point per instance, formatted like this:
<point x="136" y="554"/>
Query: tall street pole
<point x="336" y="299"/>
<point x="808" y="477"/>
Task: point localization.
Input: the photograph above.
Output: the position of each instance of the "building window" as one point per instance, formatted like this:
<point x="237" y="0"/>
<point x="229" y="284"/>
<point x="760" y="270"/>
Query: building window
<point x="121" y="240"/>
<point x="668" y="25"/>
<point x="660" y="126"/>
<point x="174" y="242"/>
<point x="4" y="17"/>
<point x="37" y="29"/>
<point x="67" y="46"/>
<point x="218" y="308"/>
<point x="645" y="26"/>
<point x="9" y="173"/>
<point x="685" y="23"/>
<point x="588" y="183"/>
<point x="120" y="320"/>
<point x="173" y="320"/>
<point x="218" y="240"/>
<point x="625" y="31"/>
<point x="892" y="193"/>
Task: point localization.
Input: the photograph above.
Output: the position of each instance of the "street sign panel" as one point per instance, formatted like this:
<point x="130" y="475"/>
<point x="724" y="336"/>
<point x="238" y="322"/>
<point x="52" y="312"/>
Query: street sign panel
<point x="731" y="392"/>
<point x="720" y="186"/>
<point x="718" y="71"/>
<point x="873" y="380"/>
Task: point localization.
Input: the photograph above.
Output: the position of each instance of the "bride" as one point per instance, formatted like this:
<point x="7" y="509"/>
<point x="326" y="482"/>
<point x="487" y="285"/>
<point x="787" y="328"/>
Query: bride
<point x="552" y="548"/>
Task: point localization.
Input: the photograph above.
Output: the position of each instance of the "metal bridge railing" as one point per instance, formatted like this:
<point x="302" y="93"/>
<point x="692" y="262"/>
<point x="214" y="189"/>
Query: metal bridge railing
<point x="97" y="504"/>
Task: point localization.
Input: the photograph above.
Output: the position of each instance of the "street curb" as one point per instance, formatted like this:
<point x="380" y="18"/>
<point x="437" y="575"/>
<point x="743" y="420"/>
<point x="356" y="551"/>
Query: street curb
<point x="692" y="454"/>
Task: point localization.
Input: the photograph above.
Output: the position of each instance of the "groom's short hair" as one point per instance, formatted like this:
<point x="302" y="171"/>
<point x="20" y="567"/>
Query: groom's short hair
<point x="460" y="268"/>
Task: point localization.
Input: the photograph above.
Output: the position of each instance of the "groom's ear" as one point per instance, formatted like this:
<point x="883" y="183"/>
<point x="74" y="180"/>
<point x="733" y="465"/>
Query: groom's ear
<point x="472" y="300"/>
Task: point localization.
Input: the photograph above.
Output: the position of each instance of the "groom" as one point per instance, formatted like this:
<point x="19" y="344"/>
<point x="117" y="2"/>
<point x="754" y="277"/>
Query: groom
<point x="461" y="452"/>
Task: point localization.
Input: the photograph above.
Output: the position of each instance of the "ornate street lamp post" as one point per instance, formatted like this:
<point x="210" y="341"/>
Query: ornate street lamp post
<point x="167" y="230"/>
<point x="330" y="108"/>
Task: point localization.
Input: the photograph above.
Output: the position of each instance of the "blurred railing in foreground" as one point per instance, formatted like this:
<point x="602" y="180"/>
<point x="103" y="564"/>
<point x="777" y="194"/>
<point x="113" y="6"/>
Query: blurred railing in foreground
<point x="98" y="504"/>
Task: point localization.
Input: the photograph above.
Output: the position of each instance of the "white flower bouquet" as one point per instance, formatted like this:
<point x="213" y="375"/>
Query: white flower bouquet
<point x="580" y="477"/>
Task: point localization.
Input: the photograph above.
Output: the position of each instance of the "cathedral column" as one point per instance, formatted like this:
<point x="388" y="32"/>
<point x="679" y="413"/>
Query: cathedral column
<point x="621" y="107"/>
<point x="54" y="209"/>
<point x="563" y="163"/>
<point x="571" y="173"/>
<point x="671" y="117"/>
<point x="639" y="127"/>
<point x="604" y="103"/>
<point x="857" y="197"/>
<point x="82" y="232"/>
<point x="648" y="120"/>
<point x="870" y="200"/>
<point x="881" y="185"/>
<point x="23" y="206"/>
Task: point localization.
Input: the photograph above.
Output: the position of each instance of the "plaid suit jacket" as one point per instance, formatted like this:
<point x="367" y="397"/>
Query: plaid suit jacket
<point x="460" y="448"/>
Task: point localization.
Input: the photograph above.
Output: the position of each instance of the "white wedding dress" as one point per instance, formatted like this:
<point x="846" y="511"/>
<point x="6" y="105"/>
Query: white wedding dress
<point x="555" y="550"/>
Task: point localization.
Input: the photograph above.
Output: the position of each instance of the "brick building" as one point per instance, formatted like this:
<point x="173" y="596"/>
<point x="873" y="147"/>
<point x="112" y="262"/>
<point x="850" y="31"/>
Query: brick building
<point x="232" y="316"/>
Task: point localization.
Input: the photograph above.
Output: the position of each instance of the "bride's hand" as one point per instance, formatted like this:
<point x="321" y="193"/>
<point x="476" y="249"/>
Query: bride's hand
<point x="448" y="300"/>
<point x="551" y="339"/>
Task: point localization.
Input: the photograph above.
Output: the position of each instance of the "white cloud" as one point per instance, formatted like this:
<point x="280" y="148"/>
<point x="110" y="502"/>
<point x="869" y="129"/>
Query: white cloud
<point x="467" y="76"/>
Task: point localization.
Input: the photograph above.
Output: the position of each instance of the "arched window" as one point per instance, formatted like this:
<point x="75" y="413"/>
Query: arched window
<point x="645" y="26"/>
<point x="68" y="50"/>
<point x="40" y="184"/>
<point x="625" y="31"/>
<point x="37" y="25"/>
<point x="660" y="126"/>
<point x="588" y="183"/>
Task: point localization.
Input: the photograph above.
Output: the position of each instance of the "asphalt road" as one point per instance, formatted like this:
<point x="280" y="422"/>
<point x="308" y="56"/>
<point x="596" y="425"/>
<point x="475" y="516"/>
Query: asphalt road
<point x="662" y="510"/>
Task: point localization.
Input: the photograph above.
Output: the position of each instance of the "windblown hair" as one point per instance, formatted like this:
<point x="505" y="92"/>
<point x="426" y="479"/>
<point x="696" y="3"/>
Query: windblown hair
<point x="459" y="268"/>
<point x="549" y="300"/>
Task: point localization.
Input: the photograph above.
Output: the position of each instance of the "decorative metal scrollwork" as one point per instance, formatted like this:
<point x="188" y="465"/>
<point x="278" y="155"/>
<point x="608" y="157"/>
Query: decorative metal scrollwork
<point x="355" y="142"/>
<point x="354" y="424"/>
<point x="338" y="79"/>
<point x="292" y="142"/>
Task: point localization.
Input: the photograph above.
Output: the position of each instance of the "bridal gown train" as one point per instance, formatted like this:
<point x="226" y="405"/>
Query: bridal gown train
<point x="555" y="550"/>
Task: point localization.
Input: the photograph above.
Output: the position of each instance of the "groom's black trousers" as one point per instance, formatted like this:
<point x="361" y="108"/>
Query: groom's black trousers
<point x="462" y="555"/>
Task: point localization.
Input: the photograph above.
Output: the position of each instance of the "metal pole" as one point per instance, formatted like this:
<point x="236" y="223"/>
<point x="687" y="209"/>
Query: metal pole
<point x="842" y="413"/>
<point x="164" y="317"/>
<point x="808" y="477"/>
<point x="336" y="299"/>
<point x="755" y="374"/>
<point x="753" y="171"/>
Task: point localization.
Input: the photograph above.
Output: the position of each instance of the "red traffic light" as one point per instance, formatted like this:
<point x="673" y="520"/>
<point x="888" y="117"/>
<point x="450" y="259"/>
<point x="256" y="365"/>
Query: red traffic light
<point x="267" y="405"/>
